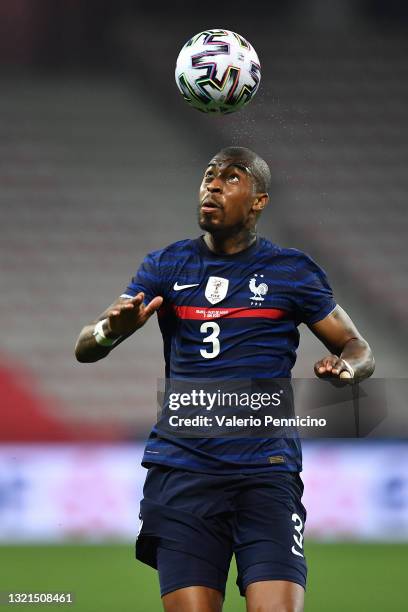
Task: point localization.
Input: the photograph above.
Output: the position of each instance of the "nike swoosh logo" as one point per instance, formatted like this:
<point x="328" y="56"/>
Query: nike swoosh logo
<point x="178" y="287"/>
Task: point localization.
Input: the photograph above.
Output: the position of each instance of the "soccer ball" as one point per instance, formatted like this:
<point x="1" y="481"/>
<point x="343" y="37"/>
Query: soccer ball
<point x="218" y="71"/>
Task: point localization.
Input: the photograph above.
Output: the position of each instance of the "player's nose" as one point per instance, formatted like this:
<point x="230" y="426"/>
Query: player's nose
<point x="215" y="185"/>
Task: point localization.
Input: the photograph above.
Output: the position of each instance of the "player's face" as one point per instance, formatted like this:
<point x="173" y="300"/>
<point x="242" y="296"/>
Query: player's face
<point x="227" y="195"/>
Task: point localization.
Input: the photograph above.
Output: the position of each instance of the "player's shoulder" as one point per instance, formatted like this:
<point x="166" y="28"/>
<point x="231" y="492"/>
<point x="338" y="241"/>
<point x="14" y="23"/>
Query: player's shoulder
<point x="294" y="262"/>
<point x="290" y="255"/>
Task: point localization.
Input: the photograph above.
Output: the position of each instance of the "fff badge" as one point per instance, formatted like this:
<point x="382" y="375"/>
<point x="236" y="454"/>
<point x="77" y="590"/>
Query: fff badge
<point x="216" y="289"/>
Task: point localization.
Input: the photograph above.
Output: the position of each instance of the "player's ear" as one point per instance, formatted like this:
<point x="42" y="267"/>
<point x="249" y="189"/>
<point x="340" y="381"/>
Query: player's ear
<point x="260" y="202"/>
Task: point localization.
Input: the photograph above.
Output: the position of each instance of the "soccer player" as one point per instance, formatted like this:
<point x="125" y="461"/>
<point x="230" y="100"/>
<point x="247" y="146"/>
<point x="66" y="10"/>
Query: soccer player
<point x="229" y="304"/>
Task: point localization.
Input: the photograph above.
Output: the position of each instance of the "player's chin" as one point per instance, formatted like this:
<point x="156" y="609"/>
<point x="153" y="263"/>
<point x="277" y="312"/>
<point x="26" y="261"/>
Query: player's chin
<point x="207" y="223"/>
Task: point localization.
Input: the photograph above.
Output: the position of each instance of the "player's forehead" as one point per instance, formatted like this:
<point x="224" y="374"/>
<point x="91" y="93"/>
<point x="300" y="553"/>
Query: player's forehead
<point x="221" y="163"/>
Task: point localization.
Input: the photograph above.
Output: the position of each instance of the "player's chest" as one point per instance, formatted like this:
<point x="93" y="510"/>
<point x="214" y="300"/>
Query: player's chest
<point x="249" y="286"/>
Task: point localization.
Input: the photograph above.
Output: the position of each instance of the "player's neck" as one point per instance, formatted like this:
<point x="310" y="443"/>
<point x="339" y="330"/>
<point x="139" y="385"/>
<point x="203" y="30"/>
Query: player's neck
<point x="229" y="245"/>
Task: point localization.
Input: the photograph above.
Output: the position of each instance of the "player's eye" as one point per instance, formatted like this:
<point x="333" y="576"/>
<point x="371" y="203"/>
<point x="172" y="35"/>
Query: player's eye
<point x="208" y="176"/>
<point x="233" y="178"/>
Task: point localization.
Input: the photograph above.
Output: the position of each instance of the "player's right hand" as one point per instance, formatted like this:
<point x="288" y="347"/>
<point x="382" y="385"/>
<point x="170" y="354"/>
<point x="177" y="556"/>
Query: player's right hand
<point x="128" y="315"/>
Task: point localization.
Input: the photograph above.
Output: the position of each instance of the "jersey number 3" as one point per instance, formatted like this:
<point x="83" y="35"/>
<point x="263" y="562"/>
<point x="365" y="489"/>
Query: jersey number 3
<point x="214" y="330"/>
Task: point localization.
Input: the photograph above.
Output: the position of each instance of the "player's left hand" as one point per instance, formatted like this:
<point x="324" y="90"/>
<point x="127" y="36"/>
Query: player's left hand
<point x="332" y="367"/>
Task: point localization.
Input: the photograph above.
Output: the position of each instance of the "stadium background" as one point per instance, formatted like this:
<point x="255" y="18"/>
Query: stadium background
<point x="100" y="161"/>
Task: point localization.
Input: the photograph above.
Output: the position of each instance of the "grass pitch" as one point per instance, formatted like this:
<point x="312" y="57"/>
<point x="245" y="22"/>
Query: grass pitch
<point x="352" y="577"/>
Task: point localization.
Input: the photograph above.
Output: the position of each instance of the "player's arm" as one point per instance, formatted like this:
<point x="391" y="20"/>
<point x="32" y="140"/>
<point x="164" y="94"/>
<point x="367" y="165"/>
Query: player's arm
<point x="350" y="355"/>
<point x="114" y="325"/>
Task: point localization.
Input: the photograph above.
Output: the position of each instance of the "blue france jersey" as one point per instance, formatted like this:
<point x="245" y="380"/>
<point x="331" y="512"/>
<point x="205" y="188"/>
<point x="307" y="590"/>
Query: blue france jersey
<point x="225" y="317"/>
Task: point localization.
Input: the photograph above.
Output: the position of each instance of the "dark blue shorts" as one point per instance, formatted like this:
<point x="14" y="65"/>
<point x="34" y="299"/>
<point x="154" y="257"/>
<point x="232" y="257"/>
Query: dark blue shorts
<point x="192" y="524"/>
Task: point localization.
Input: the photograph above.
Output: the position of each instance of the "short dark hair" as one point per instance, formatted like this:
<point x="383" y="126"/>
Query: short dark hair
<point x="256" y="165"/>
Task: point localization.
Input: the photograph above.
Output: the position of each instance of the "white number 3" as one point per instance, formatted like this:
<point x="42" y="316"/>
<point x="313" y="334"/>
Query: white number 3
<point x="214" y="328"/>
<point x="298" y="537"/>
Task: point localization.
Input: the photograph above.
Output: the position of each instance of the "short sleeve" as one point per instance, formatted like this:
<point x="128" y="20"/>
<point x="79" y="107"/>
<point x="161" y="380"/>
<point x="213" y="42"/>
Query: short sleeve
<point x="314" y="294"/>
<point x="147" y="279"/>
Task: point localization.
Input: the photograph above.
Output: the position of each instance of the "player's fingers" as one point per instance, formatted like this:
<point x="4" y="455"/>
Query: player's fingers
<point x="120" y="308"/>
<point x="330" y="361"/>
<point x="325" y="365"/>
<point x="152" y="306"/>
<point x="129" y="304"/>
<point x="321" y="372"/>
<point x="319" y="367"/>
<point x="321" y="363"/>
<point x="338" y="367"/>
<point x="138" y="299"/>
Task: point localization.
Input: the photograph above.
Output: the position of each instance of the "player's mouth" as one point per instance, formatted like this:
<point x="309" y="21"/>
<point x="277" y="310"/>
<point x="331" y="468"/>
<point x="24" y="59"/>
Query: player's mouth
<point x="209" y="206"/>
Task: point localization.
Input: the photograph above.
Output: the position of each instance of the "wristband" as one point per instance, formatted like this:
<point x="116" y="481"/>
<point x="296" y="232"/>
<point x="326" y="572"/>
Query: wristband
<point x="100" y="337"/>
<point x="348" y="368"/>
